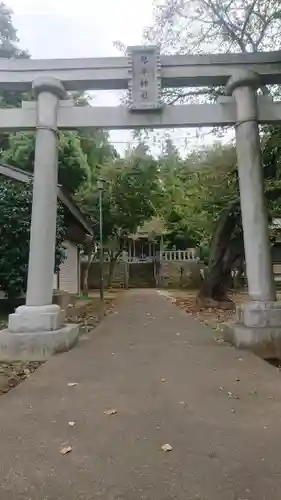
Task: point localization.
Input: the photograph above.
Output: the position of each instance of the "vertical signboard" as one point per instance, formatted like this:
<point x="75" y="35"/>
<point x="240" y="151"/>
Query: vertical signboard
<point x="145" y="78"/>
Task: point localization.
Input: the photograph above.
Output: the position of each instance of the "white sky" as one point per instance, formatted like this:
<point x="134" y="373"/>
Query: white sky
<point x="87" y="28"/>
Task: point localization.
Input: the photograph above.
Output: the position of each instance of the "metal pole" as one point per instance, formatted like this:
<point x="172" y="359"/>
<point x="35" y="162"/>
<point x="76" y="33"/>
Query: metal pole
<point x="101" y="251"/>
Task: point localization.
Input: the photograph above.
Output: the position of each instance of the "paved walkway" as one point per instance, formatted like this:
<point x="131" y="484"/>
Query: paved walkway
<point x="171" y="382"/>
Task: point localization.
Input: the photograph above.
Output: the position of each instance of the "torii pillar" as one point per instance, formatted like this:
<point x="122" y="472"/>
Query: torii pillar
<point x="37" y="329"/>
<point x="258" y="325"/>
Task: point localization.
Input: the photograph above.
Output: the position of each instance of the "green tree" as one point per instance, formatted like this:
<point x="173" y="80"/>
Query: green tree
<point x="9" y="49"/>
<point x="95" y="143"/>
<point x="130" y="197"/>
<point x="198" y="190"/>
<point x="73" y="166"/>
<point x="8" y="35"/>
<point x="208" y="26"/>
<point x="202" y="205"/>
<point x="15" y="217"/>
<point x="80" y="153"/>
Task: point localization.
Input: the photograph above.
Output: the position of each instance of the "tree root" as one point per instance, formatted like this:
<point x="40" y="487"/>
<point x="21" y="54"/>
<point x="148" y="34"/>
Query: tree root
<point x="209" y="303"/>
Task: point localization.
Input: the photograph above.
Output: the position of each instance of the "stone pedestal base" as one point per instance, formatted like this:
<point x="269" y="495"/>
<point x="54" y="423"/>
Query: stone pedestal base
<point x="258" y="328"/>
<point x="37" y="346"/>
<point x="35" y="333"/>
<point x="36" y="319"/>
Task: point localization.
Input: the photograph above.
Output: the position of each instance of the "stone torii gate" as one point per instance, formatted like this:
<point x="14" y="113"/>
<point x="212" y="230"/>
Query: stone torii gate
<point x="37" y="330"/>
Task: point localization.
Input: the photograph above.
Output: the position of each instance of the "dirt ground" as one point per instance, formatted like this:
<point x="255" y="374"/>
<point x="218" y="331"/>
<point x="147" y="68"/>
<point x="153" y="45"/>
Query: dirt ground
<point x="85" y="311"/>
<point x="214" y="317"/>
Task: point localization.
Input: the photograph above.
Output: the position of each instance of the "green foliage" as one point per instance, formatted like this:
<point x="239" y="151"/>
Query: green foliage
<point x="130" y="197"/>
<point x="8" y="35"/>
<point x="197" y="190"/>
<point x="78" y="156"/>
<point x="72" y="161"/>
<point x="15" y="215"/>
<point x="97" y="147"/>
<point x="9" y="50"/>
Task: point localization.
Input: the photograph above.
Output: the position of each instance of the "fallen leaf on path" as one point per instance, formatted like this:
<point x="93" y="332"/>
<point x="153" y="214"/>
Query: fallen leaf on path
<point x="166" y="447"/>
<point x="66" y="450"/>
<point x="113" y="411"/>
<point x="71" y="424"/>
<point x="72" y="384"/>
<point x="219" y="340"/>
<point x="13" y="382"/>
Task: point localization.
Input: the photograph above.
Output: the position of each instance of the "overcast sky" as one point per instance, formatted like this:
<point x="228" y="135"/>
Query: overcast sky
<point x="55" y="29"/>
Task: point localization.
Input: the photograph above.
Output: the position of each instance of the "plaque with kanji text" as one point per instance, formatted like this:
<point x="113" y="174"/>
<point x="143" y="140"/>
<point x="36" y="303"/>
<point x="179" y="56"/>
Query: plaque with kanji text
<point x="145" y="78"/>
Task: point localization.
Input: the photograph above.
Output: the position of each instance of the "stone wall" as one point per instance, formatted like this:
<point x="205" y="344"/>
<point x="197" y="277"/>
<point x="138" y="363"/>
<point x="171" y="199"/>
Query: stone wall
<point x="185" y="274"/>
<point x="118" y="280"/>
<point x="141" y="275"/>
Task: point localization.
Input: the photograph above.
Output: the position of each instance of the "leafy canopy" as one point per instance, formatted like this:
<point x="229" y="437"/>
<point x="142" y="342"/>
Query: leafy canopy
<point x="130" y="197"/>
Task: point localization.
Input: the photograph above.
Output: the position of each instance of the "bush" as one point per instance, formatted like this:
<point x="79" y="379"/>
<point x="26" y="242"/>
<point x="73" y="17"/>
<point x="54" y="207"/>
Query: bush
<point x="15" y="217"/>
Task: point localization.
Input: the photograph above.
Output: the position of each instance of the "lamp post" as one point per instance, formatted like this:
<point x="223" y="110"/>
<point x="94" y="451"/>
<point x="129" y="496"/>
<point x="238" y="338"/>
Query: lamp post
<point x="100" y="185"/>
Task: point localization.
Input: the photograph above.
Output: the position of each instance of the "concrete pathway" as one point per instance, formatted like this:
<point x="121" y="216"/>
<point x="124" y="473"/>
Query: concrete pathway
<point x="170" y="382"/>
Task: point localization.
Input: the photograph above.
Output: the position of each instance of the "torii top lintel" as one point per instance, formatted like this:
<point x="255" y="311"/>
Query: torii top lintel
<point x="114" y="72"/>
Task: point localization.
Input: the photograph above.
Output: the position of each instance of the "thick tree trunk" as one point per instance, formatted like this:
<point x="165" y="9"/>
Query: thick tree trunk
<point x="216" y="283"/>
<point x="224" y="253"/>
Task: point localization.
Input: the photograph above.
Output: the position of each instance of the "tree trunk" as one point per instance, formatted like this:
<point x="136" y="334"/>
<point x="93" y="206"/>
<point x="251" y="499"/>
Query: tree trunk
<point x="85" y="287"/>
<point x="225" y="251"/>
<point x="112" y="267"/>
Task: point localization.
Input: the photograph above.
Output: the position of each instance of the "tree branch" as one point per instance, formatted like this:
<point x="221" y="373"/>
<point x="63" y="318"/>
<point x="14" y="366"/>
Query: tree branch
<point x="229" y="28"/>
<point x="192" y="93"/>
<point x="249" y="13"/>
